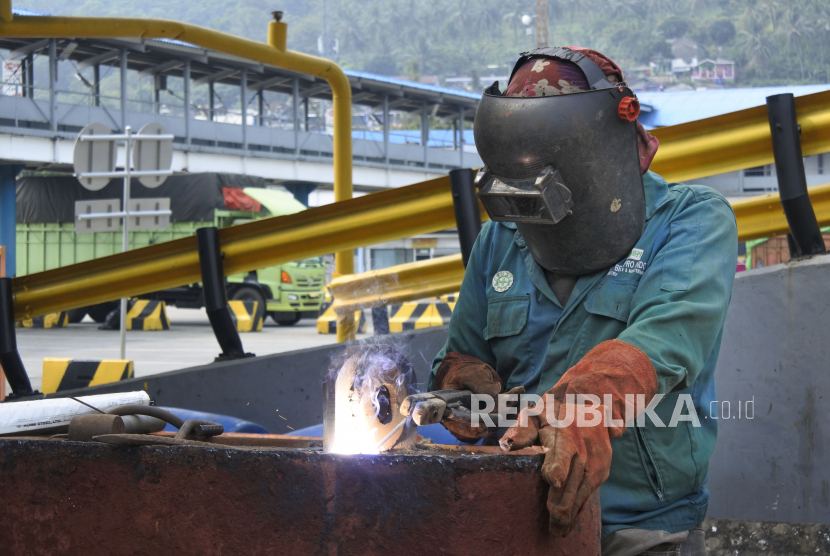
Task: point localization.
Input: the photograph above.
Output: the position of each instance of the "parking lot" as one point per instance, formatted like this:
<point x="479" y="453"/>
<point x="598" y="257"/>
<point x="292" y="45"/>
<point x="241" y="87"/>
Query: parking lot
<point x="188" y="342"/>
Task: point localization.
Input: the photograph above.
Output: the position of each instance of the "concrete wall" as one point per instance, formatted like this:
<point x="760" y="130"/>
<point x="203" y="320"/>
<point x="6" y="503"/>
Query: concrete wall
<point x="775" y="352"/>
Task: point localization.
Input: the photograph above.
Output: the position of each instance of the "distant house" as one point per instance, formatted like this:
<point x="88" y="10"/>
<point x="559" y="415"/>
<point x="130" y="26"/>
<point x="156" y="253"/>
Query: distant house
<point x="718" y="69"/>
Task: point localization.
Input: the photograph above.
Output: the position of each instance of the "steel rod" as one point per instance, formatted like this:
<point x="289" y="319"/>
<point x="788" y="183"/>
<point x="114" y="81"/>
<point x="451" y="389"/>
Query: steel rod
<point x="135" y="174"/>
<point x="125" y="137"/>
<point x="120" y="214"/>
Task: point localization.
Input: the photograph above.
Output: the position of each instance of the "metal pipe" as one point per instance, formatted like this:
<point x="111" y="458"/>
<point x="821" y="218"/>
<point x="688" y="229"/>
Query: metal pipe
<point x="295" y="113"/>
<point x="792" y="182"/>
<point x="406" y="282"/>
<point x="386" y="128"/>
<point x="467" y="215"/>
<point x="216" y="296"/>
<point x="123" y="75"/>
<point x="461" y="137"/>
<point x="425" y="133"/>
<point x="186" y="79"/>
<point x="96" y="85"/>
<point x="212" y="101"/>
<point x="9" y="357"/>
<point x="53" y="77"/>
<point x="125" y="237"/>
<point x="243" y="103"/>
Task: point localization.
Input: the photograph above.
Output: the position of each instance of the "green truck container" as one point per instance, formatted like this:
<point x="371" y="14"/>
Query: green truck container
<point x="286" y="293"/>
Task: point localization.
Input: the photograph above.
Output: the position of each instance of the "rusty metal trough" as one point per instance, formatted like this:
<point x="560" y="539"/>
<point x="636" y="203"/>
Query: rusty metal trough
<point x="282" y="496"/>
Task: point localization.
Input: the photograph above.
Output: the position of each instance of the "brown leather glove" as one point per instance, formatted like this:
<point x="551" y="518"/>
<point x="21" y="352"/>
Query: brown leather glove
<point x="463" y="372"/>
<point x="578" y="459"/>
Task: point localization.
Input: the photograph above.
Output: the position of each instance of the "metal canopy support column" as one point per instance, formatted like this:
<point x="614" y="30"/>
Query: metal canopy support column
<point x="425" y="133"/>
<point x="260" y="110"/>
<point x="386" y="127"/>
<point x="295" y="113"/>
<point x="53" y="78"/>
<point x="243" y="101"/>
<point x="30" y="76"/>
<point x="159" y="83"/>
<point x="186" y="78"/>
<point x="461" y="137"/>
<point x="305" y="107"/>
<point x="211" y="103"/>
<point x="96" y="85"/>
<point x="123" y="90"/>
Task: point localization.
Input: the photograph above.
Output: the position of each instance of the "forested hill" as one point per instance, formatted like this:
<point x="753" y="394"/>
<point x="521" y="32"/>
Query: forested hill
<point x="771" y="41"/>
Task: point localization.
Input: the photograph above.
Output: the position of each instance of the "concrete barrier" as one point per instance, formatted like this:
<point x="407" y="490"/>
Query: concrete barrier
<point x="244" y="315"/>
<point x="148" y="314"/>
<point x="68" y="374"/>
<point x="52" y="320"/>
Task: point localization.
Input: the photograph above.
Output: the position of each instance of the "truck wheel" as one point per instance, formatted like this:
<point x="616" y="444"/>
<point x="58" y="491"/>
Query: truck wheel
<point x="247" y="293"/>
<point x="99" y="312"/>
<point x="76" y="315"/>
<point x="283" y="321"/>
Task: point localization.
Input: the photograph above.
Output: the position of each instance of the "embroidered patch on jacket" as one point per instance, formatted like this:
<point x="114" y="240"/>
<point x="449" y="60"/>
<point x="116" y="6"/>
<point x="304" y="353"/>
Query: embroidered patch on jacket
<point x="502" y="281"/>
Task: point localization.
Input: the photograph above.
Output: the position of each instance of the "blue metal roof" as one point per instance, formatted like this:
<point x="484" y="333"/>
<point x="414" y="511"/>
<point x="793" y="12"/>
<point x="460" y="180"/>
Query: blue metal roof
<point x="21" y="11"/>
<point x="678" y="107"/>
<point x="412" y="84"/>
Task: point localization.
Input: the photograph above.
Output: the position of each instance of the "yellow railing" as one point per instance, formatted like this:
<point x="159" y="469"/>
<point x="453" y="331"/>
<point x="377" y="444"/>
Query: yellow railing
<point x="736" y="140"/>
<point x="757" y="217"/>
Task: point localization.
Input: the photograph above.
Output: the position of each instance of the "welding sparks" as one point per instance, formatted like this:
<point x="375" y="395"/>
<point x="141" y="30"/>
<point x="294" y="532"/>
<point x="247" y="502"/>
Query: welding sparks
<point x="292" y="428"/>
<point x="281" y="417"/>
<point x="367" y="391"/>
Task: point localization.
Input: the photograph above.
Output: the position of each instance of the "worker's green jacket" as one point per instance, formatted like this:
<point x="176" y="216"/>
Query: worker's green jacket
<point x="668" y="298"/>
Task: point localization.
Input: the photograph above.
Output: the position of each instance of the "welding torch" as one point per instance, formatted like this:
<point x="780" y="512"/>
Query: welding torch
<point x="434" y="407"/>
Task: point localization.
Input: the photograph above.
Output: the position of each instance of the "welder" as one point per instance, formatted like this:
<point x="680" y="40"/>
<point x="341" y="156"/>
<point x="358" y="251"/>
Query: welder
<point x="594" y="276"/>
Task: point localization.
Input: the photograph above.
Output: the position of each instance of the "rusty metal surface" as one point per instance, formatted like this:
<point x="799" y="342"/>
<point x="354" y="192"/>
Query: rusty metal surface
<point x="89" y="498"/>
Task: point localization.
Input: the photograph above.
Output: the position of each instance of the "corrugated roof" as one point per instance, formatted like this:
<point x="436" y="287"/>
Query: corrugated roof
<point x="412" y="84"/>
<point x="678" y="107"/>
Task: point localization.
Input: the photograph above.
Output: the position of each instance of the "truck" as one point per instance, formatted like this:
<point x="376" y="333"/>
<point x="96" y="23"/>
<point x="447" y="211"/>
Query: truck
<point x="46" y="238"/>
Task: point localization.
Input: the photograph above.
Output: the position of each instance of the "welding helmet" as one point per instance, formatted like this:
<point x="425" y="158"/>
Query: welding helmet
<point x="565" y="168"/>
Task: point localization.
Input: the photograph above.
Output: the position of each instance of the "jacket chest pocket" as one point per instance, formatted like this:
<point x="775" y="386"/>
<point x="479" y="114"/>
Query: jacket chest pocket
<point x="612" y="299"/>
<point x="506" y="316"/>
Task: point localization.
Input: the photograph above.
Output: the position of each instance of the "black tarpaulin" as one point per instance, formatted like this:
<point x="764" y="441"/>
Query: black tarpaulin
<point x="193" y="197"/>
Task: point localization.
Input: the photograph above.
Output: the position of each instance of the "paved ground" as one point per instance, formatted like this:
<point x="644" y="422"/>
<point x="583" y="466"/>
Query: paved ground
<point x="189" y="342"/>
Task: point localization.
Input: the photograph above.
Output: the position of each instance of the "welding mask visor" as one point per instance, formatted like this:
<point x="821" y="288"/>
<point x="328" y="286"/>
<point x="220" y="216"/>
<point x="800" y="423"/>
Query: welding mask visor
<point x="566" y="170"/>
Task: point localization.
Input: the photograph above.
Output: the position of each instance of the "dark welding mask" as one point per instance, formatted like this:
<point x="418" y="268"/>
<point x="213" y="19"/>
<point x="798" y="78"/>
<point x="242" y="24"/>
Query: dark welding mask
<point x="564" y="168"/>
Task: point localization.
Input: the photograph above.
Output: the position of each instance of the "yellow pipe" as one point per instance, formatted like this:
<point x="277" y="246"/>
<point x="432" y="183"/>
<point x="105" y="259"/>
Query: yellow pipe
<point x="397" y="284"/>
<point x="757" y="217"/>
<point x="274" y="53"/>
<point x="6" y="10"/>
<point x="736" y="140"/>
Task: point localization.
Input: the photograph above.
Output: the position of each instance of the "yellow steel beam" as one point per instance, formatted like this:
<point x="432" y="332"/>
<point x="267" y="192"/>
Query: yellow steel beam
<point x="757" y="217"/>
<point x="274" y="54"/>
<point x="736" y="140"/>
<point x="397" y="284"/>
<point x="763" y="216"/>
<point x="383" y="216"/>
